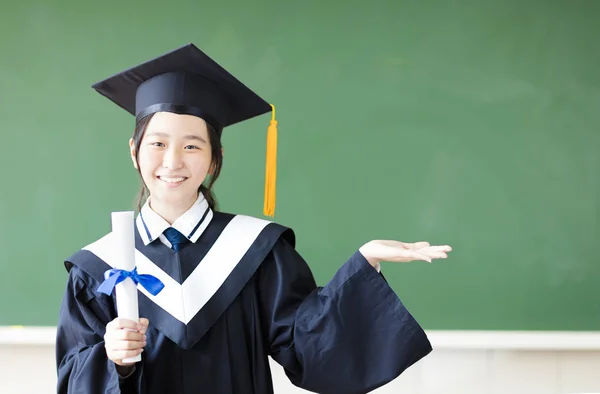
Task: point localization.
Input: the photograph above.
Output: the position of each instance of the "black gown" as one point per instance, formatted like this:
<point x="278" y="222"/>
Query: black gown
<point x="350" y="336"/>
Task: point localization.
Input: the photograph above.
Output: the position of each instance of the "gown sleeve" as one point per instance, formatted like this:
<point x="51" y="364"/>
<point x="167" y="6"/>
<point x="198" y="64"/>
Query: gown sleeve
<point x="350" y="336"/>
<point x="82" y="364"/>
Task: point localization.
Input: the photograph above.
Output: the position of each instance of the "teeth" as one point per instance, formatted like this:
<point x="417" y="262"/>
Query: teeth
<point x="172" y="180"/>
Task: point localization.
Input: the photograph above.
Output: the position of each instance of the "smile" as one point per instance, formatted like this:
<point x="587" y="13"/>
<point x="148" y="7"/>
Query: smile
<point x="172" y="180"/>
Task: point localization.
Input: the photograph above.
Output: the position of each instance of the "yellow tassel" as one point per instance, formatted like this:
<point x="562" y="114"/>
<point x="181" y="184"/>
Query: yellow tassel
<point x="271" y="166"/>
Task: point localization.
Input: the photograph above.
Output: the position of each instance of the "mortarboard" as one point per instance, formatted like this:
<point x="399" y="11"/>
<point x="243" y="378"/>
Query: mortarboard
<point x="187" y="81"/>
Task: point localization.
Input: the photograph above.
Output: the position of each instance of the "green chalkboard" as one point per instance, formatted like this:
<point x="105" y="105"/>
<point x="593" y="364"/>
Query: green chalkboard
<point x="471" y="123"/>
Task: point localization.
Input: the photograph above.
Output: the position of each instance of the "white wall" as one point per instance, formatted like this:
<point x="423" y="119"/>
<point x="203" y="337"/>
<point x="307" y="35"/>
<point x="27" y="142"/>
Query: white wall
<point x="478" y="363"/>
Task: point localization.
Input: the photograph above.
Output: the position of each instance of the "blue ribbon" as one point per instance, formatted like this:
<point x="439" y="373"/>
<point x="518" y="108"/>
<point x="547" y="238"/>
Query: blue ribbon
<point x="116" y="276"/>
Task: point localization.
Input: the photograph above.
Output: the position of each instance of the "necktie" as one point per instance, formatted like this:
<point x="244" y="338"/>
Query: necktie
<point x="176" y="239"/>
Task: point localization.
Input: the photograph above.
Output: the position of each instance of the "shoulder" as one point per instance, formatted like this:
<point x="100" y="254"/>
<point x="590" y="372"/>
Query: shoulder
<point x="277" y="240"/>
<point x="88" y="260"/>
<point x="266" y="229"/>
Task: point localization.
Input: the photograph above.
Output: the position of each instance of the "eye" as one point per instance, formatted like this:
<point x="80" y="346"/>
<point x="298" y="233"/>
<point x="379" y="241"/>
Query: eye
<point x="191" y="147"/>
<point x="156" y="143"/>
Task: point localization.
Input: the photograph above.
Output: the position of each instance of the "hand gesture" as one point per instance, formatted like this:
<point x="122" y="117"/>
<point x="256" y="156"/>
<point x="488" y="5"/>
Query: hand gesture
<point x="402" y="252"/>
<point x="125" y="339"/>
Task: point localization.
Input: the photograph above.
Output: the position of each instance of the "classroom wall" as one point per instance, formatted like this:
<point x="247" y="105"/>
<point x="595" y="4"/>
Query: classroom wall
<point x="504" y="95"/>
<point x="468" y="123"/>
<point x="450" y="371"/>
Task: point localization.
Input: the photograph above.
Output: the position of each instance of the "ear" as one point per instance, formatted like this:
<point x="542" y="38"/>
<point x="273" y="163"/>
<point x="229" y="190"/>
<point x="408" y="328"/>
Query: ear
<point x="132" y="153"/>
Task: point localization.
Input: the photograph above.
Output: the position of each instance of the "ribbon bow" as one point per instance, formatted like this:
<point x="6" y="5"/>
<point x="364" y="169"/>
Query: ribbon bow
<point x="116" y="276"/>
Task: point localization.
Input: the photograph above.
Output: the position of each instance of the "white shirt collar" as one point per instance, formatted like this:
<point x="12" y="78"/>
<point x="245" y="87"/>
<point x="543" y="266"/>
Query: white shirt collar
<point x="191" y="224"/>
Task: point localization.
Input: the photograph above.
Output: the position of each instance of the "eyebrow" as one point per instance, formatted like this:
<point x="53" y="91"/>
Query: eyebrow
<point x="166" y="135"/>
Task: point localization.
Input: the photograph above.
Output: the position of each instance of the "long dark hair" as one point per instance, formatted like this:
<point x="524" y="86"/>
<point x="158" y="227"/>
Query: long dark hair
<point x="216" y="155"/>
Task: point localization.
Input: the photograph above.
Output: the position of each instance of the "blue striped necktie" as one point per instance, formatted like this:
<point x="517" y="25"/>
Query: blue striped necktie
<point x="176" y="239"/>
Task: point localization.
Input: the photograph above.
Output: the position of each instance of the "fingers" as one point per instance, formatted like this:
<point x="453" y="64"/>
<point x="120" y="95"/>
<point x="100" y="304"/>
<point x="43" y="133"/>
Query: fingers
<point x="436" y="255"/>
<point x="418" y="255"/>
<point x="125" y="339"/>
<point x="113" y="344"/>
<point x="118" y="324"/>
<point x="433" y="253"/>
<point x="442" y="248"/>
<point x="144" y="325"/>
<point x="426" y="245"/>
<point x="414" y="246"/>
<point x="396" y="251"/>
<point x="126" y="345"/>
<point x="420" y="245"/>
<point x="428" y="253"/>
<point x="123" y="335"/>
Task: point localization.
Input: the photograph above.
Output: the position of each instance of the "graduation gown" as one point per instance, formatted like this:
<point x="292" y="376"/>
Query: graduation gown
<point x="239" y="294"/>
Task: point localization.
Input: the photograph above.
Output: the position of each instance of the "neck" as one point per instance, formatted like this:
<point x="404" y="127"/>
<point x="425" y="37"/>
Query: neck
<point x="171" y="211"/>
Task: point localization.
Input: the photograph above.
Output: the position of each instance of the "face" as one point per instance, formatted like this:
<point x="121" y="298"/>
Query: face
<point x="174" y="159"/>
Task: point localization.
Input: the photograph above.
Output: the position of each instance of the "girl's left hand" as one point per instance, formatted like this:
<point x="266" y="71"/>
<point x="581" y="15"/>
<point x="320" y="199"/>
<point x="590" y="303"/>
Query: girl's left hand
<point x="402" y="252"/>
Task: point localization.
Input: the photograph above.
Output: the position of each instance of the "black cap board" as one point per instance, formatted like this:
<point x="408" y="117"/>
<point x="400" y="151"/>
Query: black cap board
<point x="183" y="81"/>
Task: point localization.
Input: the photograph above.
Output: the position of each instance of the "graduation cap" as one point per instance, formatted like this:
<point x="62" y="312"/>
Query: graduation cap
<point x="187" y="81"/>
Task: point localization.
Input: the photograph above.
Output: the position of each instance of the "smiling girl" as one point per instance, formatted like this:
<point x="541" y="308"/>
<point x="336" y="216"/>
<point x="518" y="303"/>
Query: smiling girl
<point x="236" y="291"/>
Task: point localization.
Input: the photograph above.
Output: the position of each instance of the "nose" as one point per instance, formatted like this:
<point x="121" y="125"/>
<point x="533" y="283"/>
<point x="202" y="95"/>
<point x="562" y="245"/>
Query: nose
<point x="173" y="159"/>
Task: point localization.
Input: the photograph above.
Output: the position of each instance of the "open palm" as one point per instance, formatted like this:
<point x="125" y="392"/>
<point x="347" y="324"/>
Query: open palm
<point x="403" y="252"/>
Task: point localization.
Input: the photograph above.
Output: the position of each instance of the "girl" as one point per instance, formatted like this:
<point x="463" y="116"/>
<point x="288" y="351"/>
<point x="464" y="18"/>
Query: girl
<point x="235" y="289"/>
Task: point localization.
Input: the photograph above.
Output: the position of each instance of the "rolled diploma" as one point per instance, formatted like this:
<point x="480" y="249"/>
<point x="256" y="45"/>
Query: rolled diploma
<point x="126" y="291"/>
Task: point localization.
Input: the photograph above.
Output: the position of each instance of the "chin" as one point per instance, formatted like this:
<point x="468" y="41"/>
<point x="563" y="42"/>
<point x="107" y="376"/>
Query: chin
<point x="179" y="196"/>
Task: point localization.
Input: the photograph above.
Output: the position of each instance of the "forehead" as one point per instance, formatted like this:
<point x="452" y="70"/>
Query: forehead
<point x="175" y="123"/>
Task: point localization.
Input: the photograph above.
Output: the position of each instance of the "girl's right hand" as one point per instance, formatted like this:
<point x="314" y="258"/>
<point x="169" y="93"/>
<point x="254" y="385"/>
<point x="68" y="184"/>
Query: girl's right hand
<point x="125" y="339"/>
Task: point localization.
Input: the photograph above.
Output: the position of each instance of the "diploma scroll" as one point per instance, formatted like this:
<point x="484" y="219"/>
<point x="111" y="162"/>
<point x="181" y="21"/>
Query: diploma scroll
<point x="126" y="291"/>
